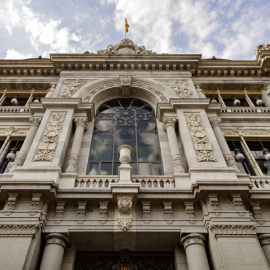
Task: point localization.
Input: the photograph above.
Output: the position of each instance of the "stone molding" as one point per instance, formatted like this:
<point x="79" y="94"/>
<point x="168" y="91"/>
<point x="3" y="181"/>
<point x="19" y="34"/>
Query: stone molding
<point x="59" y="211"/>
<point x="262" y="47"/>
<point x="257" y="212"/>
<point x="214" y="204"/>
<point x="81" y="212"/>
<point x="199" y="138"/>
<point x="192" y="239"/>
<point x="190" y="212"/>
<point x="125" y="81"/>
<point x="233" y="229"/>
<point x="81" y="122"/>
<point x="56" y="239"/>
<point x="49" y="141"/>
<point x="238" y="204"/>
<point x="180" y="87"/>
<point x="18" y="229"/>
<point x="264" y="239"/>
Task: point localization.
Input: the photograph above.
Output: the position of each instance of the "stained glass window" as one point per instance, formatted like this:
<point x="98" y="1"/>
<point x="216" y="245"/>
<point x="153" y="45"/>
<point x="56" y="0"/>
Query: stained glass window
<point x="125" y="121"/>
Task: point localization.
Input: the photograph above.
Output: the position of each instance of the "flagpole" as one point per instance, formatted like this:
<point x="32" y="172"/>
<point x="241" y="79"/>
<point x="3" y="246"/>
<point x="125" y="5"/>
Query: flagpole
<point x="125" y="28"/>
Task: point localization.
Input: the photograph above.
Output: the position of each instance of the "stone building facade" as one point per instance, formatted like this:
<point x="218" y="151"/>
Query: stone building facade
<point x="191" y="189"/>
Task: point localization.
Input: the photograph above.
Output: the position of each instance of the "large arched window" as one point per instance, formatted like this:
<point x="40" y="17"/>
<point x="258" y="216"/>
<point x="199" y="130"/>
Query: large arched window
<point x="125" y="121"/>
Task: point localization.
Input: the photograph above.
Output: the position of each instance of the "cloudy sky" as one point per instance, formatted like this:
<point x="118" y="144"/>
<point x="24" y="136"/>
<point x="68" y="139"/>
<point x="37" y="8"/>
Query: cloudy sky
<point x="228" y="29"/>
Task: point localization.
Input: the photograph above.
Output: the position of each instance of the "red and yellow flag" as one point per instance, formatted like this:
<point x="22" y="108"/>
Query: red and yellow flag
<point x="126" y="25"/>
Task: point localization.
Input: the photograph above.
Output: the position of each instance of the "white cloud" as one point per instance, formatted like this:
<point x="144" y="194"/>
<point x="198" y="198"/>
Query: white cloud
<point x="12" y="54"/>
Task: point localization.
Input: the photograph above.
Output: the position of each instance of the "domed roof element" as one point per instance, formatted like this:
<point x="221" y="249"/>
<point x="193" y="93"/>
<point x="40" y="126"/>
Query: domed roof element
<point x="125" y="46"/>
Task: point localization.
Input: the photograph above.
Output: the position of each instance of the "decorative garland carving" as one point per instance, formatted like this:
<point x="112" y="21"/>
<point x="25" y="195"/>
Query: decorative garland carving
<point x="81" y="212"/>
<point x="168" y="212"/>
<point x="11" y="203"/>
<point x="233" y="229"/>
<point x="199" y="138"/>
<point x="103" y="211"/>
<point x="18" y="229"/>
<point x="70" y="87"/>
<point x="124" y="203"/>
<point x="47" y="146"/>
<point x="180" y="87"/>
<point x="35" y="203"/>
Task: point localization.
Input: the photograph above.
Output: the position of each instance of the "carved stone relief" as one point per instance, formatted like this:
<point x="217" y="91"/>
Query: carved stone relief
<point x="257" y="213"/>
<point x="168" y="212"/>
<point x="199" y="138"/>
<point x="50" y="91"/>
<point x="47" y="146"/>
<point x="238" y="204"/>
<point x="146" y="211"/>
<point x="59" y="211"/>
<point x="125" y="81"/>
<point x="103" y="211"/>
<point x="233" y="229"/>
<point x="35" y="203"/>
<point x="180" y="87"/>
<point x="190" y="213"/>
<point x="11" y="203"/>
<point x="124" y="203"/>
<point x="214" y="205"/>
<point x="81" y="211"/>
<point x="70" y="87"/>
<point x="18" y="229"/>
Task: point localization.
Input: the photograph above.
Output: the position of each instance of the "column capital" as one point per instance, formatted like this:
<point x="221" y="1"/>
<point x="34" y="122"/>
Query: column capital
<point x="81" y="121"/>
<point x="264" y="239"/>
<point x="35" y="121"/>
<point x="169" y="121"/>
<point x="56" y="239"/>
<point x="215" y="121"/>
<point x="192" y="239"/>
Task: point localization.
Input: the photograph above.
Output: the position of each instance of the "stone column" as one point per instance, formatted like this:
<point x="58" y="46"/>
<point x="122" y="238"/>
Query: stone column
<point x="195" y="251"/>
<point x="54" y="251"/>
<point x="215" y="122"/>
<point x="265" y="243"/>
<point x="169" y="127"/>
<point x="20" y="158"/>
<point x="81" y="126"/>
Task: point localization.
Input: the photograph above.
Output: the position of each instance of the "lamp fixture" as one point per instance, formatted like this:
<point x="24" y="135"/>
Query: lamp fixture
<point x="236" y="101"/>
<point x="15" y="101"/>
<point x="213" y="100"/>
<point x="259" y="102"/>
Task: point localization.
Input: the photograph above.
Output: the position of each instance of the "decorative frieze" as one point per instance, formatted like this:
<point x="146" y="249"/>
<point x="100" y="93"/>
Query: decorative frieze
<point x="168" y="211"/>
<point x="233" y="229"/>
<point x="11" y="203"/>
<point x="70" y="87"/>
<point x="146" y="211"/>
<point x="180" y="87"/>
<point x="18" y="229"/>
<point x="200" y="140"/>
<point x="81" y="211"/>
<point x="103" y="211"/>
<point x="124" y="203"/>
<point x="59" y="211"/>
<point x="47" y="146"/>
<point x="35" y="203"/>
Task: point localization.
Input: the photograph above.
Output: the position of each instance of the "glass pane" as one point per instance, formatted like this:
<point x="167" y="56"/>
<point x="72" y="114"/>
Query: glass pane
<point x="156" y="169"/>
<point x="114" y="104"/>
<point x="125" y="135"/>
<point x="134" y="168"/>
<point x="144" y="168"/>
<point x="125" y="103"/>
<point x="102" y="147"/>
<point x="106" y="168"/>
<point x="148" y="147"/>
<point x="146" y="125"/>
<point x="105" y="125"/>
<point x="93" y="169"/>
<point x="9" y="166"/>
<point x="264" y="167"/>
<point x="115" y="167"/>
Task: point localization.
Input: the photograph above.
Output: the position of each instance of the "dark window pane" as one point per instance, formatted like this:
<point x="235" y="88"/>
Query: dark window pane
<point x="264" y="165"/>
<point x="156" y="169"/>
<point x="115" y="167"/>
<point x="106" y="168"/>
<point x="144" y="168"/>
<point x="102" y="147"/>
<point x="148" y="146"/>
<point x="146" y="126"/>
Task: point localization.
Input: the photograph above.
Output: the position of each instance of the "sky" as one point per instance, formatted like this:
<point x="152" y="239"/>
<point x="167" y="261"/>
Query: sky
<point x="229" y="29"/>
